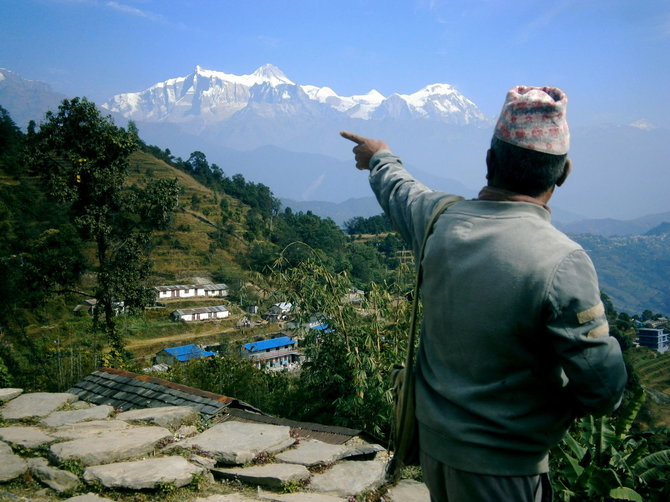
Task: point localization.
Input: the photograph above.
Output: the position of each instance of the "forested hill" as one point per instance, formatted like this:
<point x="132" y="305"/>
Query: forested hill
<point x="633" y="270"/>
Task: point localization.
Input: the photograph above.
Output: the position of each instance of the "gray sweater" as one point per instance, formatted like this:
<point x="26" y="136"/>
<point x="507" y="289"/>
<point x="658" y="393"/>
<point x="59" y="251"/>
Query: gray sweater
<point x="515" y="343"/>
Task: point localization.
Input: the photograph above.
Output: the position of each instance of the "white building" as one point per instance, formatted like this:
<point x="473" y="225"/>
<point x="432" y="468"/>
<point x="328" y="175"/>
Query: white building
<point x="191" y="291"/>
<point x="200" y="314"/>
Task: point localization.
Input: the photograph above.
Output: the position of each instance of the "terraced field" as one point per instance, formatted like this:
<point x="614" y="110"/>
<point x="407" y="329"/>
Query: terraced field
<point x="653" y="370"/>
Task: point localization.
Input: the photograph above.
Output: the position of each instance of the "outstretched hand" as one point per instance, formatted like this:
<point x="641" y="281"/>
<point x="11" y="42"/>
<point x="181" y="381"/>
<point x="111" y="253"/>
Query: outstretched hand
<point x="365" y="148"/>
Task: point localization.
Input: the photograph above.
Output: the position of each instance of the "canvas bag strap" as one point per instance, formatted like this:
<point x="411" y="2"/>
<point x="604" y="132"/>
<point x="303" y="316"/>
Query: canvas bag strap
<point x="442" y="206"/>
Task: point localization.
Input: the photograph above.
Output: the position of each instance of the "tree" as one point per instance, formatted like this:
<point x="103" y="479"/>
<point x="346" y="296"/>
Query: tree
<point x="82" y="158"/>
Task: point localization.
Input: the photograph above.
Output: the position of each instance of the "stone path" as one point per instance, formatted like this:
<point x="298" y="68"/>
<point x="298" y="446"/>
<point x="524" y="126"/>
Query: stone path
<point x="75" y="449"/>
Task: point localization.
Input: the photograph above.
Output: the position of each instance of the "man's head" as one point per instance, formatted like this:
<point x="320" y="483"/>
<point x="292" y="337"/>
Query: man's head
<point x="530" y="143"/>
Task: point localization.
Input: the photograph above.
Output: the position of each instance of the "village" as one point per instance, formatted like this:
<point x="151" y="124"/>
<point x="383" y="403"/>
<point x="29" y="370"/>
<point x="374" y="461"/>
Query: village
<point x="275" y="332"/>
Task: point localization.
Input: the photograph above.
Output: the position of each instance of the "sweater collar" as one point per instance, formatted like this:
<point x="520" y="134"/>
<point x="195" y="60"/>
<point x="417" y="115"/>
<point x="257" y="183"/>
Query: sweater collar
<point x="502" y="195"/>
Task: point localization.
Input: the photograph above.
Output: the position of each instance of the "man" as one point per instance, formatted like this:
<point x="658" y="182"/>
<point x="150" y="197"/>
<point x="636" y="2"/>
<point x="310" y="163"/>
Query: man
<point x="515" y="343"/>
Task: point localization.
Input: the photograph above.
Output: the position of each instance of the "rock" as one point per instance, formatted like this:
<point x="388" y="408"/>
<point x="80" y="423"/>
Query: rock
<point x="89" y="497"/>
<point x="363" y="450"/>
<point x="206" y="462"/>
<point x="312" y="452"/>
<point x="186" y="431"/>
<point x="239" y="442"/>
<point x="11" y="466"/>
<point x="408" y="490"/>
<point x="299" y="497"/>
<point x="35" y="405"/>
<point x="349" y="478"/>
<point x="144" y="474"/>
<point x="170" y="417"/>
<point x="269" y="475"/>
<point x="56" y="479"/>
<point x="110" y="447"/>
<point x="89" y="429"/>
<point x="26" y="437"/>
<point x="60" y="418"/>
<point x="7" y="394"/>
<point x="81" y="405"/>
<point x="5" y="449"/>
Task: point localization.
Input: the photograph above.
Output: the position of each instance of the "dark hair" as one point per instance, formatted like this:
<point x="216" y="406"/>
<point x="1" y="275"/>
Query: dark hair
<point x="525" y="171"/>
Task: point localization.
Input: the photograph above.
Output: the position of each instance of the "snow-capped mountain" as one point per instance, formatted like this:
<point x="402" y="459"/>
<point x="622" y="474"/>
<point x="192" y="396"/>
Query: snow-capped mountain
<point x="208" y="96"/>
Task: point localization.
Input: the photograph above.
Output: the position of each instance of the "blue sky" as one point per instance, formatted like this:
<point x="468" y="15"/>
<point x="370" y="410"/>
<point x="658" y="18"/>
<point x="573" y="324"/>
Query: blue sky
<point x="611" y="57"/>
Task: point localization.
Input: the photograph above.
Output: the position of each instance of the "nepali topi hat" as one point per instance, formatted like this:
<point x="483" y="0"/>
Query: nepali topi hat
<point x="535" y="118"/>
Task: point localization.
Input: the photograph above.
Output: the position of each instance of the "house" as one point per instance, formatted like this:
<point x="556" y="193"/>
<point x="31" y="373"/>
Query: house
<point x="91" y="304"/>
<point x="200" y="314"/>
<point x="191" y="291"/>
<point x="278" y="311"/>
<point x="275" y="353"/>
<point x="653" y="338"/>
<point x="183" y="353"/>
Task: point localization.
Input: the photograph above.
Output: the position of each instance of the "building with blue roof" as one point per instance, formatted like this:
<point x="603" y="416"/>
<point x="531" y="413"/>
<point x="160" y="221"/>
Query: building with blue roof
<point x="274" y="353"/>
<point x="183" y="353"/>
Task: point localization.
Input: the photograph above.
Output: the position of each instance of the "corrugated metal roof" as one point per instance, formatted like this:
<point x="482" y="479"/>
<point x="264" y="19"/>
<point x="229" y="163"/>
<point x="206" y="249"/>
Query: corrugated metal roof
<point x="188" y="352"/>
<point x="273" y="343"/>
<point x="214" y="287"/>
<point x="202" y="310"/>
<point x="129" y="391"/>
<point x="180" y="287"/>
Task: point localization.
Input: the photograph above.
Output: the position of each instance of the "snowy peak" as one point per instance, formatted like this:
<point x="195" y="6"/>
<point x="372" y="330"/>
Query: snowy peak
<point x="271" y="74"/>
<point x="208" y="96"/>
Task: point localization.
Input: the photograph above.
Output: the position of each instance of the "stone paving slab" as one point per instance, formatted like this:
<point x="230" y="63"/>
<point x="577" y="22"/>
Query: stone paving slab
<point x="90" y="429"/>
<point x="349" y="477"/>
<point x="5" y="449"/>
<point x="56" y="479"/>
<point x="299" y="497"/>
<point x="408" y="490"/>
<point x="268" y="475"/>
<point x="311" y="452"/>
<point x="110" y="447"/>
<point x="7" y="394"/>
<point x="26" y="437"/>
<point x="239" y="442"/>
<point x="89" y="497"/>
<point x="170" y="417"/>
<point x="144" y="474"/>
<point x="363" y="450"/>
<point x="35" y="405"/>
<point x="11" y="466"/>
<point x="60" y="418"/>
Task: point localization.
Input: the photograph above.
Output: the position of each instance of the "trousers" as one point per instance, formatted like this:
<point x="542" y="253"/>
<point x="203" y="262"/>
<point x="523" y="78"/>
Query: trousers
<point x="447" y="484"/>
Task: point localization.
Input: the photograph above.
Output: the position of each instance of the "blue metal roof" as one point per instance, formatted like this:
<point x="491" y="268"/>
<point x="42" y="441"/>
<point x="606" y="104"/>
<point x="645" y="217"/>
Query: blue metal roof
<point x="188" y="352"/>
<point x="269" y="344"/>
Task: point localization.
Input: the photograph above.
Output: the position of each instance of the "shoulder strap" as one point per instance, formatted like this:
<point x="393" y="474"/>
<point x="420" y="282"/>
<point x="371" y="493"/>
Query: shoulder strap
<point x="442" y="206"/>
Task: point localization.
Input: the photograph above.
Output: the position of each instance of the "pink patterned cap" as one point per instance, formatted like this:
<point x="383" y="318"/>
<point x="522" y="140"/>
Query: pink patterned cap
<point x="534" y="118"/>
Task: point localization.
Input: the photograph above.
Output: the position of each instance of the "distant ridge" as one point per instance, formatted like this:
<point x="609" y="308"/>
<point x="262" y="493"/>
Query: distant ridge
<point x="609" y="227"/>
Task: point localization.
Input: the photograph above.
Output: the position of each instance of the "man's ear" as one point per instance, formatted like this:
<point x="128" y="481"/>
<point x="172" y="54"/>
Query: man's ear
<point x="490" y="169"/>
<point x="567" y="167"/>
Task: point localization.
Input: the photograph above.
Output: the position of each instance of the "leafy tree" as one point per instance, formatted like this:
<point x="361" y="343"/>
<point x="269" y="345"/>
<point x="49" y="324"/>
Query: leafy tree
<point x="82" y="158"/>
<point x="372" y="225"/>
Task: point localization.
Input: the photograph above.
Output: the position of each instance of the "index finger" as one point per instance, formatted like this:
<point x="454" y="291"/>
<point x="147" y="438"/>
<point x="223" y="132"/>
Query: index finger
<point x="352" y="137"/>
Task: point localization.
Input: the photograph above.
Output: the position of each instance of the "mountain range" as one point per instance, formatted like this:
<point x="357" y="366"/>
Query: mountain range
<point x="285" y="135"/>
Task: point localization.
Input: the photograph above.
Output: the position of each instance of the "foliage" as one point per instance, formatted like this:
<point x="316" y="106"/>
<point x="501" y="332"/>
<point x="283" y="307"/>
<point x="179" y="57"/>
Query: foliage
<point x="373" y="225"/>
<point x="600" y="460"/>
<point x="344" y="380"/>
<point x="82" y="158"/>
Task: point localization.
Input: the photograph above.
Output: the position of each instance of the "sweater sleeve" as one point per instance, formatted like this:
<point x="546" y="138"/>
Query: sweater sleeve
<point x="407" y="202"/>
<point x="590" y="357"/>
